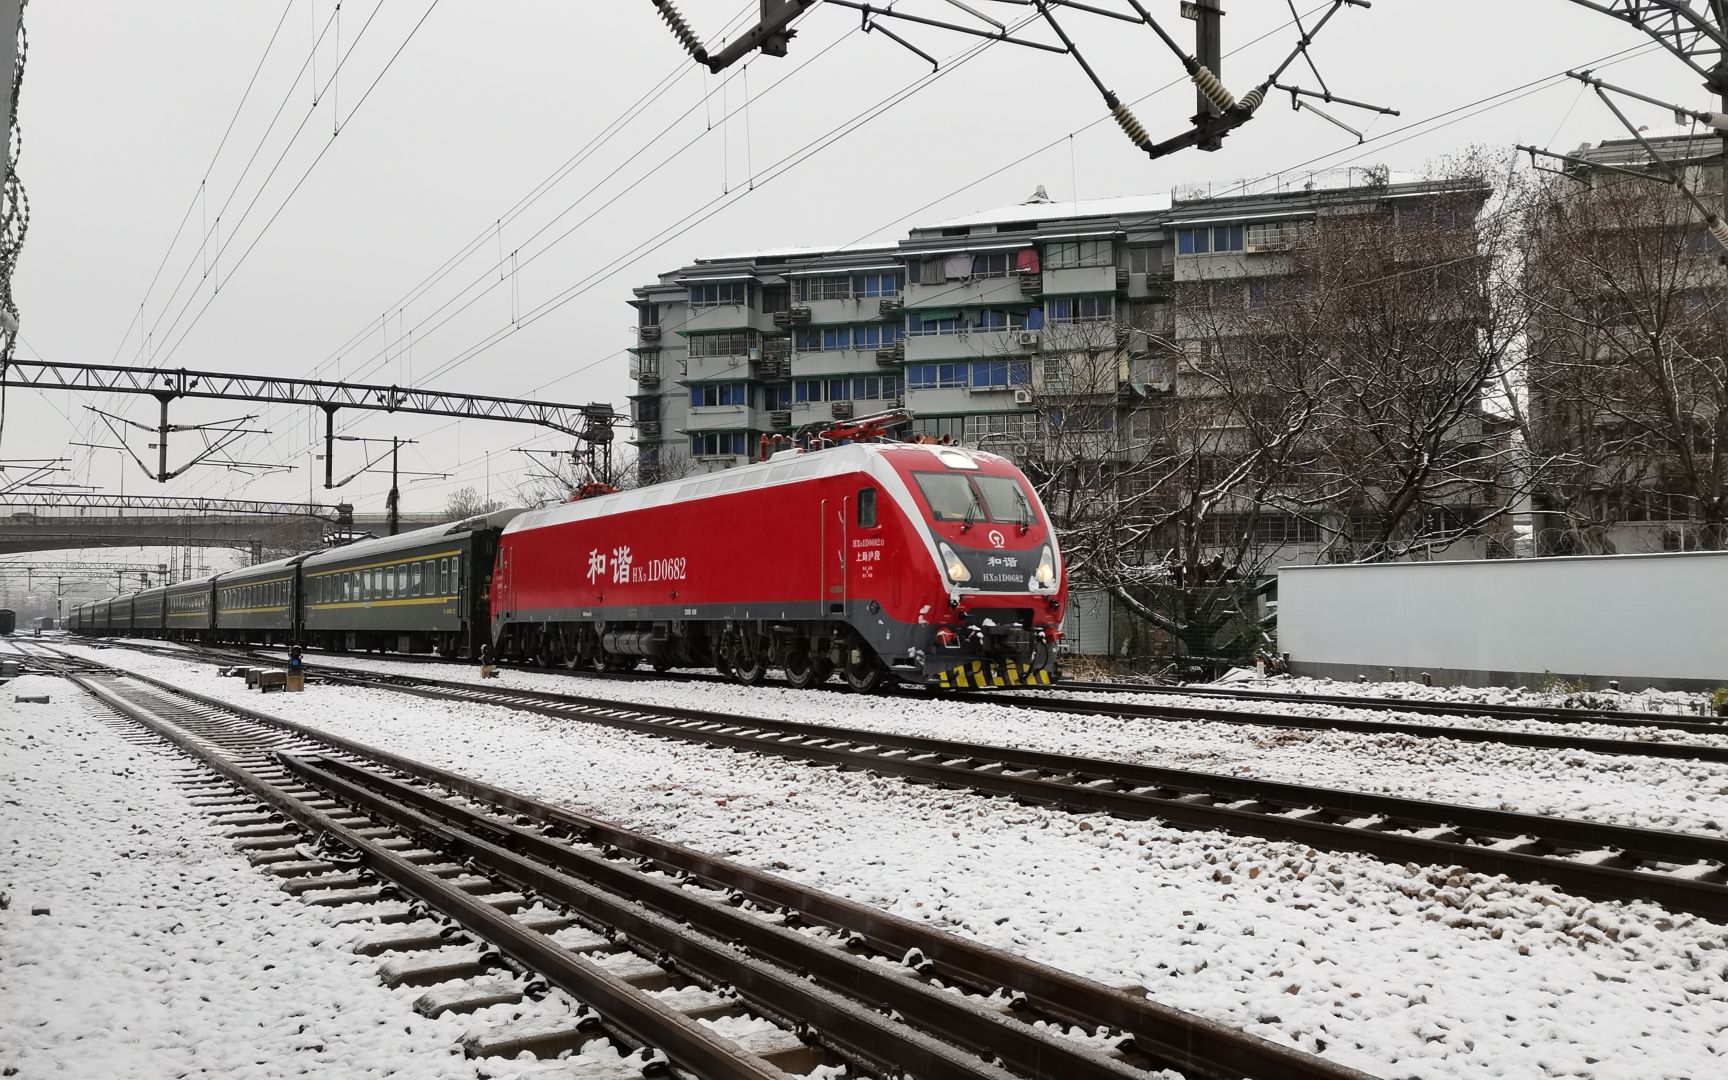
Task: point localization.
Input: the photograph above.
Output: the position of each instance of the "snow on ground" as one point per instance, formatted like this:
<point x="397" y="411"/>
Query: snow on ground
<point x="1678" y="702"/>
<point x="163" y="952"/>
<point x="1687" y="796"/>
<point x="1401" y="971"/>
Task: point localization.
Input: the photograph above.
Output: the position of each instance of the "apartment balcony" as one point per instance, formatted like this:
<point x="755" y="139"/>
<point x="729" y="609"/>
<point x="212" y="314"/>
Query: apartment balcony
<point x="973" y="344"/>
<point x="810" y="365"/>
<point x="857" y="309"/>
<point x="1082" y="279"/>
<point x="722" y="418"/>
<point x="1003" y="291"/>
<point x="720" y="368"/>
<point x="967" y="399"/>
<point x="726" y="317"/>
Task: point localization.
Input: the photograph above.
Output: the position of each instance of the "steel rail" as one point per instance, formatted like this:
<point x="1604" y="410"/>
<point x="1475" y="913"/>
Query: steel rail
<point x="1556" y="713"/>
<point x="1038" y="699"/>
<point x="624" y="1011"/>
<point x="1169" y="1037"/>
<point x="848" y="992"/>
<point x="1255" y="718"/>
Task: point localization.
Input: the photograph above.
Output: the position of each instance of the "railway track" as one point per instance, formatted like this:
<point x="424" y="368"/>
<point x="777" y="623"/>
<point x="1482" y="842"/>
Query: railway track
<point x="1681" y="871"/>
<point x="1553" y="713"/>
<point x="1046" y="701"/>
<point x="1256" y="718"/>
<point x="650" y="938"/>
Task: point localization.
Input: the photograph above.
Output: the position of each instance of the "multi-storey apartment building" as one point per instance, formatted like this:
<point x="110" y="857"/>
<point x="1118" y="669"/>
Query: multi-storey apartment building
<point x="1628" y="380"/>
<point x="981" y="326"/>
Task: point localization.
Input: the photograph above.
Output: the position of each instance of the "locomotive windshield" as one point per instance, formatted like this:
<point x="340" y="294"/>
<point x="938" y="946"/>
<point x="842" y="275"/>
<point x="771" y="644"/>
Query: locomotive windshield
<point x="956" y="497"/>
<point x="950" y="496"/>
<point x="1005" y="499"/>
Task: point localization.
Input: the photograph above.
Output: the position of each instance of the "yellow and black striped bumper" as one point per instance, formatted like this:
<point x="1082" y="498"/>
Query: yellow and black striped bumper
<point x="978" y="674"/>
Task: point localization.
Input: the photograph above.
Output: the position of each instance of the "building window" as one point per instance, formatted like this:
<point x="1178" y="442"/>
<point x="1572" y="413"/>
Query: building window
<point x="718" y="443"/>
<point x="729" y="343"/>
<point x="981" y="428"/>
<point x="647" y="314"/>
<point x="709" y="395"/>
<point x="884" y="284"/>
<point x="1208" y="239"/>
<point x="875" y="336"/>
<point x="1272" y="233"/>
<point x="717" y="293"/>
<point x="1146" y="259"/>
<point x="1070" y="254"/>
<point x="998" y="319"/>
<point x="1078" y="308"/>
<point x="997" y="374"/>
<point x="945" y="322"/>
<point x="876" y="387"/>
<point x="827" y="287"/>
<point x="978" y="374"/>
<point x="989" y="264"/>
<point x="936" y="376"/>
<point x="776" y="298"/>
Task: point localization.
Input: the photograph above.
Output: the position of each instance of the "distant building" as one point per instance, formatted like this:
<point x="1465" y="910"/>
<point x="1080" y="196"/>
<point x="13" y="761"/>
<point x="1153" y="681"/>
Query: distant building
<point x="1628" y="383"/>
<point x="971" y="324"/>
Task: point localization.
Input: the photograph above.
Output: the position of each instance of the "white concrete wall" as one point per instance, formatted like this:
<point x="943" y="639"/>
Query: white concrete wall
<point x="1659" y="619"/>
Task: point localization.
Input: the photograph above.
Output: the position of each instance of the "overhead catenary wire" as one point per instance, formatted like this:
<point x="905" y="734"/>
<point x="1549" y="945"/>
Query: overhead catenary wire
<point x="283" y="205"/>
<point x="707" y="210"/>
<point x="520" y="207"/>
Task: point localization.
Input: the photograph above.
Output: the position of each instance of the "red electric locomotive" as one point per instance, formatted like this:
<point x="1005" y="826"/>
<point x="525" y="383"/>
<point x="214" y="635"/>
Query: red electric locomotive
<point x="914" y="562"/>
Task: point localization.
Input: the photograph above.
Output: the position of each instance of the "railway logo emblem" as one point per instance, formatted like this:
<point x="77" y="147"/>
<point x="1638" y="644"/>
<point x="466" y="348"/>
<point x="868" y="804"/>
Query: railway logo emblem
<point x="997" y="539"/>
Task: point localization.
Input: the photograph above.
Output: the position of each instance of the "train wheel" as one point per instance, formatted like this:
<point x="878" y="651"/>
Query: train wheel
<point x="806" y="672"/>
<point x="660" y="664"/>
<point x="867" y="676"/>
<point x="749" y="669"/>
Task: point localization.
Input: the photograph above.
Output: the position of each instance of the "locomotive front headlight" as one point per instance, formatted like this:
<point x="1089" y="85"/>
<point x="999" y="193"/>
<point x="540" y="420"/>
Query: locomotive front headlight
<point x="1045" y="575"/>
<point x="957" y="571"/>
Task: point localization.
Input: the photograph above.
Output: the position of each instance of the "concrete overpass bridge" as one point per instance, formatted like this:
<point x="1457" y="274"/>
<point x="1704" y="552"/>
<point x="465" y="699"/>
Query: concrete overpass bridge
<point x="58" y="522"/>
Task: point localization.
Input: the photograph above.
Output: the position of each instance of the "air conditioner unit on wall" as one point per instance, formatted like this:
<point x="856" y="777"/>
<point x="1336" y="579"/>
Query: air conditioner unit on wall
<point x="1027" y="337"/>
<point x="1022" y="397"/>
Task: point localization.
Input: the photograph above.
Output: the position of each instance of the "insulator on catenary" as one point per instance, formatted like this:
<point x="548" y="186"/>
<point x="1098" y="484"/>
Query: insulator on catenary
<point x="1251" y="100"/>
<point x="1135" y="132"/>
<point x="1720" y="232"/>
<point x="1212" y="88"/>
<point x="681" y="29"/>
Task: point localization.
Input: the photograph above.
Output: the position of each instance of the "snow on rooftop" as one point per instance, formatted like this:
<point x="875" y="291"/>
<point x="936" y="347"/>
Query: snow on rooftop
<point x="800" y="252"/>
<point x="1116" y="206"/>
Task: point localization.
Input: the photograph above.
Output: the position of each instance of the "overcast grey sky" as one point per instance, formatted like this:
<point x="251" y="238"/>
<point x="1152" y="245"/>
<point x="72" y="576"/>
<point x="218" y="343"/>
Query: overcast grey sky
<point x="124" y="105"/>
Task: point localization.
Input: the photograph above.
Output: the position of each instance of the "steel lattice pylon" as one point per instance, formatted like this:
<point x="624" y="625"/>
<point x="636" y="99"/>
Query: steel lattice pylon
<point x="1690" y="34"/>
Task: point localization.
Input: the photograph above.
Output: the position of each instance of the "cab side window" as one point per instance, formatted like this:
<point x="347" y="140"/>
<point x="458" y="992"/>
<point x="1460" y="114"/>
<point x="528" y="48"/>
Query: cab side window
<point x="867" y="508"/>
